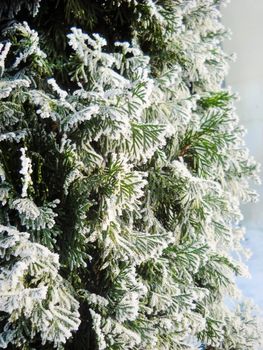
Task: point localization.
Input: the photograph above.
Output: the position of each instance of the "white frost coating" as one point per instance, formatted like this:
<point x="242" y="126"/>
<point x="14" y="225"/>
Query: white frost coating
<point x="79" y="117"/>
<point x="4" y="194"/>
<point x="70" y="178"/>
<point x="26" y="171"/>
<point x="61" y="93"/>
<point x="36" y="8"/>
<point x="31" y="36"/>
<point x="2" y="173"/>
<point x="126" y="106"/>
<point x="154" y="11"/>
<point x="13" y="136"/>
<point x="31" y="288"/>
<point x="92" y="54"/>
<point x="6" y="86"/>
<point x="161" y="154"/>
<point x="77" y="41"/>
<point x="97" y="328"/>
<point x="120" y="200"/>
<point x="25" y="299"/>
<point x="33" y="217"/>
<point x="116" y="330"/>
<point x="26" y="207"/>
<point x="4" y="49"/>
<point x="94" y="299"/>
<point x="43" y="102"/>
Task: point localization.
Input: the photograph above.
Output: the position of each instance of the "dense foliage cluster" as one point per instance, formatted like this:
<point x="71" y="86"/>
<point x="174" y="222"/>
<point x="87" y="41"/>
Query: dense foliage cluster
<point x="122" y="167"/>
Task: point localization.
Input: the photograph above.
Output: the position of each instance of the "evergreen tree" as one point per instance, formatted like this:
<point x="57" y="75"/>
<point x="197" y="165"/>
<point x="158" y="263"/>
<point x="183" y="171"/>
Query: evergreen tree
<point x="122" y="169"/>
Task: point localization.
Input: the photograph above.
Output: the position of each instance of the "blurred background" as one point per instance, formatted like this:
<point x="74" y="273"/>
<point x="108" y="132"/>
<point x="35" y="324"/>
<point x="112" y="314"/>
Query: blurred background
<point x="245" y="19"/>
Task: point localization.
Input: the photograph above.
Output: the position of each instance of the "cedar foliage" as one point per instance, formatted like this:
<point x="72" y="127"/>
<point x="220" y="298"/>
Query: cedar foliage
<point x="122" y="170"/>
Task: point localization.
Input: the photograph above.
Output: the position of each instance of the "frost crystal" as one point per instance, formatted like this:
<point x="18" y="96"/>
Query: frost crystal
<point x="31" y="36"/>
<point x="4" y="49"/>
<point x="26" y="171"/>
<point x="31" y="288"/>
<point x="62" y="94"/>
<point x="126" y="158"/>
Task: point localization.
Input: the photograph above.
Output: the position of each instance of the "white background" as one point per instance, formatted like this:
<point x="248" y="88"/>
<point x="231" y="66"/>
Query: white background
<point x="245" y="19"/>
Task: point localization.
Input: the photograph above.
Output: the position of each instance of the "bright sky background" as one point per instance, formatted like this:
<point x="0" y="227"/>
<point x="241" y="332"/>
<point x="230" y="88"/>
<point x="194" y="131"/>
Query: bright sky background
<point x="245" y="19"/>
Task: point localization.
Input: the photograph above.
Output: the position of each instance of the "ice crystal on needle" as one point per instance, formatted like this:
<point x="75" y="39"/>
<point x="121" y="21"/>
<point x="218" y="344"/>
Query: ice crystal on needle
<point x="122" y="171"/>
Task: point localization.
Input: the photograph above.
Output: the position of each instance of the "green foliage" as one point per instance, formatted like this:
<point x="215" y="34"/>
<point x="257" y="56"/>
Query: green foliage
<point x="122" y="168"/>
